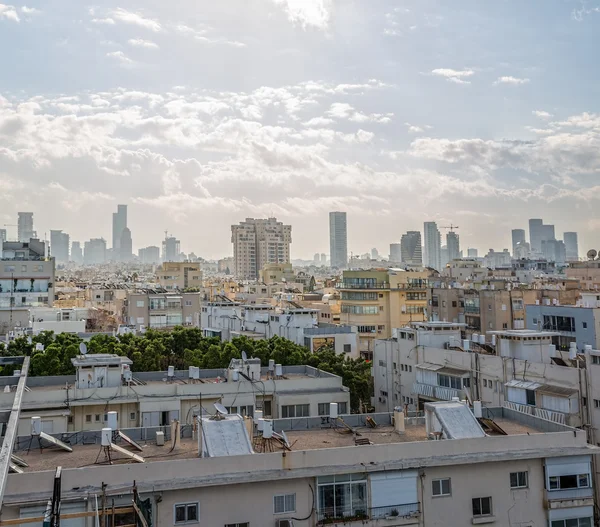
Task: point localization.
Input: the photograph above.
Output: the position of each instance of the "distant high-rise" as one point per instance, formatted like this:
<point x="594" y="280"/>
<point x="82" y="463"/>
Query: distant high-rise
<point x="432" y="245"/>
<point x="396" y="252"/>
<point x="125" y="246"/>
<point x="338" y="240"/>
<point x="317" y="259"/>
<point x="374" y="254"/>
<point x="149" y="255"/>
<point x="59" y="246"/>
<point x="323" y="258"/>
<point x="171" y="249"/>
<point x="410" y="248"/>
<point x="453" y="245"/>
<point x="518" y="236"/>
<point x="258" y="242"/>
<point x="119" y="224"/>
<point x="25" y="227"/>
<point x="472" y="253"/>
<point x="571" y="246"/>
<point x="554" y="251"/>
<point x="94" y="251"/>
<point x="2" y="237"/>
<point x="538" y="232"/>
<point x="76" y="253"/>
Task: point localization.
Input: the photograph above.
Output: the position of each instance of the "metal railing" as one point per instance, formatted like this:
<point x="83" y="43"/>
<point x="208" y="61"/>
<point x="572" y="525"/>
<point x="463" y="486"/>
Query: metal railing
<point x="405" y="510"/>
<point x="332" y="515"/>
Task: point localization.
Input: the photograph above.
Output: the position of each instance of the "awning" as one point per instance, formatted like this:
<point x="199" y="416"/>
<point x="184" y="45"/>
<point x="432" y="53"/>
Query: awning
<point x="448" y="370"/>
<point x="524" y="385"/>
<point x="557" y="391"/>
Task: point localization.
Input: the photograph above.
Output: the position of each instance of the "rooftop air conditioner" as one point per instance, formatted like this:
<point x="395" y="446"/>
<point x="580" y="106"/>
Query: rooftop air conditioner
<point x="284" y="523"/>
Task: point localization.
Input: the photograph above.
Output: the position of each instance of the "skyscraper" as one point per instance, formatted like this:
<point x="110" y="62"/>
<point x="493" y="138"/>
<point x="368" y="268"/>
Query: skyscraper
<point x="518" y="236"/>
<point x="472" y="253"/>
<point x="149" y="255"/>
<point x="536" y="228"/>
<point x="25" y="226"/>
<point x="119" y="224"/>
<point x="76" y="253"/>
<point x="410" y="248"/>
<point x="171" y="248"/>
<point x="2" y="237"/>
<point x="432" y="245"/>
<point x="338" y="240"/>
<point x="59" y="246"/>
<point x="125" y="246"/>
<point x="94" y="251"/>
<point x="571" y="246"/>
<point x="453" y="245"/>
<point x="395" y="252"/>
<point x="257" y="243"/>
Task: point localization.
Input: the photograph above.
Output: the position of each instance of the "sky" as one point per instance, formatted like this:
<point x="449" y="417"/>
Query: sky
<point x="198" y="114"/>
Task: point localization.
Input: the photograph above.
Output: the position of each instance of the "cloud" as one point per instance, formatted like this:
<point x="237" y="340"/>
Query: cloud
<point x="140" y="43"/>
<point x="9" y="12"/>
<point x="579" y="13"/>
<point x="542" y="114"/>
<point x="308" y="13"/>
<point x="128" y="17"/>
<point x="341" y="110"/>
<point x="30" y="10"/>
<point x="318" y="121"/>
<point x="204" y="36"/>
<point x="107" y="21"/>
<point x="515" y="81"/>
<point x="414" y="129"/>
<point x="456" y="76"/>
<point x="120" y="57"/>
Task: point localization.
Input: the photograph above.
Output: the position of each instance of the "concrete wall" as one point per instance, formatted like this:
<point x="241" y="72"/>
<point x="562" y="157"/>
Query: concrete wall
<point x="583" y="335"/>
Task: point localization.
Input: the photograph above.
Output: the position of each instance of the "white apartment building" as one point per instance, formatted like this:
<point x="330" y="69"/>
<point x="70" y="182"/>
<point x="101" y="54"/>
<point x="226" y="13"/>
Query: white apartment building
<point x="303" y="472"/>
<point x="258" y="242"/>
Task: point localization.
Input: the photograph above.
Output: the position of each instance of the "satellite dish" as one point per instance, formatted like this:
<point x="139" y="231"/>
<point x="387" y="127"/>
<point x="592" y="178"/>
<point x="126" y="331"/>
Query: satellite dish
<point x="285" y="438"/>
<point x="221" y="409"/>
<point x="591" y="254"/>
<point x="39" y="346"/>
<point x="244" y="356"/>
<point x="29" y="341"/>
<point x="83" y="348"/>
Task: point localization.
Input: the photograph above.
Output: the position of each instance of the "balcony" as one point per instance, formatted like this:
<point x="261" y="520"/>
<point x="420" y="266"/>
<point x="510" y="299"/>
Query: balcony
<point x="437" y="392"/>
<point x="548" y="415"/>
<point x="405" y="511"/>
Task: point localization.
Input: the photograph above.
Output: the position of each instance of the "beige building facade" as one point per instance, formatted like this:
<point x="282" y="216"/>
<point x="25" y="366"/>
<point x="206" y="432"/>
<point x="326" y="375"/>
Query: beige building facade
<point x="163" y="310"/>
<point x="179" y="276"/>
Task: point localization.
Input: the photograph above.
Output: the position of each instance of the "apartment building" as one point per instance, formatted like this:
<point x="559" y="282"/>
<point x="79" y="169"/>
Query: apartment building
<point x="376" y="301"/>
<point x="163" y="310"/>
<point x="277" y="274"/>
<point x="179" y="276"/>
<point x="588" y="273"/>
<point x="303" y="472"/>
<point x="258" y="242"/>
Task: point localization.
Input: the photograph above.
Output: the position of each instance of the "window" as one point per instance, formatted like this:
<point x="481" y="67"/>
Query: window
<point x="382" y="363"/>
<point x="453" y="303"/>
<point x="188" y="303"/>
<point x="70" y="420"/>
<point x="284" y="503"/>
<point x="440" y="487"/>
<point x="132" y="416"/>
<point x="482" y="506"/>
<point x="88" y="418"/>
<point x="485" y="383"/>
<point x="449" y="382"/>
<point x="9" y="268"/>
<point x="518" y="480"/>
<point x="530" y="397"/>
<point x="295" y="410"/>
<point x="347" y="348"/>
<point x="342" y="408"/>
<point x="245" y="524"/>
<point x="360" y="310"/>
<point x="323" y="409"/>
<point x="584" y="325"/>
<point x="596" y="403"/>
<point x="342" y="496"/>
<point x="97" y="418"/>
<point x="139" y="303"/>
<point x="572" y="522"/>
<point x="23" y="268"/>
<point x="186" y="513"/>
<point x="573" y="481"/>
<point x="595" y="359"/>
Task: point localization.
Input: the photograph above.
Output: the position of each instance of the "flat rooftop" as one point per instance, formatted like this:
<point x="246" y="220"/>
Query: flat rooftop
<point x="85" y="456"/>
<point x="524" y="333"/>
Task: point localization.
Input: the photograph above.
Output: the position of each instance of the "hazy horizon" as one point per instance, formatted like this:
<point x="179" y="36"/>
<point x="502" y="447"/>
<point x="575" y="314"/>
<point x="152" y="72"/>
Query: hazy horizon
<point x="481" y="115"/>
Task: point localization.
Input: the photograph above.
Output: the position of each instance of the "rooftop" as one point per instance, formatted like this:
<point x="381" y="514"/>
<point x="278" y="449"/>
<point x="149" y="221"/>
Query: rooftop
<point x="523" y="333"/>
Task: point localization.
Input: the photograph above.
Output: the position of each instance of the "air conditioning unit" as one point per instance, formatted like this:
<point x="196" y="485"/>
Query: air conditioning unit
<point x="284" y="523"/>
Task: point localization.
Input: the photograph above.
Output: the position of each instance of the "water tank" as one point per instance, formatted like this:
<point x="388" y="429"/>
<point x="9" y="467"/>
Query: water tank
<point x="466" y="345"/>
<point x="196" y="373"/>
<point x="278" y="370"/>
<point x="127" y="375"/>
<point x="588" y="347"/>
<point x="333" y="410"/>
<point x="111" y="420"/>
<point x="552" y="350"/>
<point x="106" y="437"/>
<point x="573" y="351"/>
<point x="235" y="375"/>
<point x="475" y="338"/>
<point x="36" y="426"/>
<point x="482" y="339"/>
<point x="171" y="371"/>
<point x="493" y="340"/>
<point x="267" y="431"/>
<point x="260" y="426"/>
<point x="191" y="372"/>
<point x="399" y="423"/>
<point x="258" y="414"/>
<point x="477" y="409"/>
<point x="271" y="365"/>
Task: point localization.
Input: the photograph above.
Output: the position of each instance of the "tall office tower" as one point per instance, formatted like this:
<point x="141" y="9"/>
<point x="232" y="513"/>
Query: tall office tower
<point x="316" y="259"/>
<point x="119" y="223"/>
<point x="433" y="241"/>
<point x="258" y="242"/>
<point x="94" y="251"/>
<point x="323" y="258"/>
<point x="59" y="246"/>
<point x="571" y="246"/>
<point x="25" y="226"/>
<point x="554" y="251"/>
<point x="536" y="234"/>
<point x="2" y="238"/>
<point x="472" y="253"/>
<point x="410" y="248"/>
<point x="171" y="249"/>
<point x="125" y="246"/>
<point x="338" y="240"/>
<point x="395" y="252"/>
<point x="374" y="254"/>
<point x="518" y="236"/>
<point x="453" y="245"/>
<point x="76" y="253"/>
<point x="149" y="255"/>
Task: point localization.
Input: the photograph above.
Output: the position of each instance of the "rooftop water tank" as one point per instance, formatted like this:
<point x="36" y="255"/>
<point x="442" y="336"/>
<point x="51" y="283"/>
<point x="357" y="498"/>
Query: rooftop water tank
<point x="106" y="437"/>
<point x="36" y="426"/>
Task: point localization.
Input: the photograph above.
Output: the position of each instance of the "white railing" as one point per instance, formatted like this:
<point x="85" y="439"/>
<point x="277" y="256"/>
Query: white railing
<point x="423" y="389"/>
<point x="548" y="415"/>
<point x="437" y="392"/>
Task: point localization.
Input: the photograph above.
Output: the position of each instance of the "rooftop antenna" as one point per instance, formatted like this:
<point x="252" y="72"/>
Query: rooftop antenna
<point x="83" y="348"/>
<point x="244" y="356"/>
<point x="221" y="411"/>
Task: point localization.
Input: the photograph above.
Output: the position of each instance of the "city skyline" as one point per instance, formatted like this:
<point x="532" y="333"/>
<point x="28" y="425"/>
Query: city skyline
<point x="394" y="139"/>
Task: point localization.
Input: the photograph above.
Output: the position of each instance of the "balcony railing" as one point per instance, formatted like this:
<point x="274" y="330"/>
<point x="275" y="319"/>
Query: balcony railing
<point x="548" y="415"/>
<point x="405" y="510"/>
<point x="382" y="285"/>
<point x="437" y="392"/>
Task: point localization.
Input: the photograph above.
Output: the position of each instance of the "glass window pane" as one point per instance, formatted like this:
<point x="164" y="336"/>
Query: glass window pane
<point x="572" y="522"/>
<point x="513" y="479"/>
<point x="435" y="487"/>
<point x="476" y="507"/>
<point x="192" y="513"/>
<point x="558" y="523"/>
<point x="585" y="522"/>
<point x="446" y="486"/>
<point x="486" y="506"/>
<point x="180" y="513"/>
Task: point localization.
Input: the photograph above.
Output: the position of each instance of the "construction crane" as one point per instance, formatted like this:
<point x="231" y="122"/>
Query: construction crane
<point x="451" y="227"/>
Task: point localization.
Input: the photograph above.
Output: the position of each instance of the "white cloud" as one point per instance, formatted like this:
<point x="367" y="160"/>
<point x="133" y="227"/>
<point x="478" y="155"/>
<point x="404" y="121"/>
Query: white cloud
<point x="120" y="57"/>
<point x="456" y="76"/>
<point x="542" y="114"/>
<point x="107" y="21"/>
<point x="129" y="17"/>
<point x="414" y="129"/>
<point x="515" y="81"/>
<point x="141" y="43"/>
<point x="30" y="10"/>
<point x="9" y="12"/>
<point x="341" y="110"/>
<point x="308" y="13"/>
<point x="318" y="121"/>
